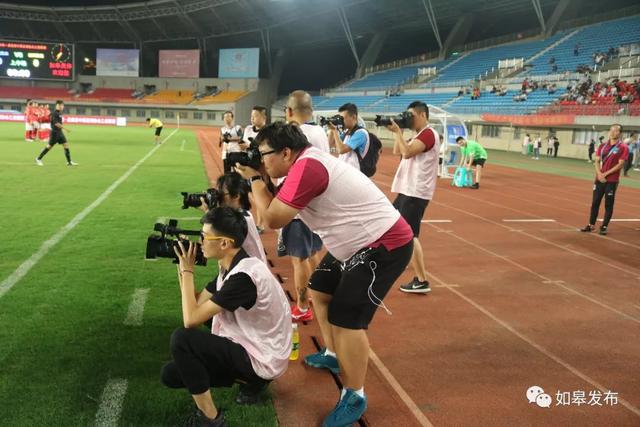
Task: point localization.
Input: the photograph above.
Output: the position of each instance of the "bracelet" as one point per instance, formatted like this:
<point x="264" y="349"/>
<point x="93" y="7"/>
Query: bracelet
<point x="255" y="178"/>
<point x="186" y="271"/>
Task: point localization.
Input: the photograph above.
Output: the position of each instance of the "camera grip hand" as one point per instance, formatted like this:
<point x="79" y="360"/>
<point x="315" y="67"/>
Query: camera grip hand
<point x="186" y="257"/>
<point x="245" y="171"/>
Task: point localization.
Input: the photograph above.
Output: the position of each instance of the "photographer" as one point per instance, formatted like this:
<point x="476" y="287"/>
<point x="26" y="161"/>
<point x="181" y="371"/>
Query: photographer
<point x="355" y="142"/>
<point x="233" y="191"/>
<point x="415" y="183"/>
<point x="369" y="246"/>
<point x="250" y="339"/>
<point x="258" y="121"/>
<point x="230" y="139"/>
<point x="296" y="239"/>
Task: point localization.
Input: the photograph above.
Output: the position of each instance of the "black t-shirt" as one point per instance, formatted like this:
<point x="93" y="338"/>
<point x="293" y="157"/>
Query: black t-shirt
<point x="56" y="117"/>
<point x="238" y="290"/>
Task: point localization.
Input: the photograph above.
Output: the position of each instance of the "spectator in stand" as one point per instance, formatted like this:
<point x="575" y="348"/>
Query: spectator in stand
<point x="552" y="89"/>
<point x="592" y="149"/>
<point x="576" y="50"/>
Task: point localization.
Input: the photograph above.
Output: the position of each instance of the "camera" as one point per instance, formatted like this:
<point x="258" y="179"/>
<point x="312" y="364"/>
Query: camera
<point x="337" y="120"/>
<point x="226" y="137"/>
<point x="159" y="246"/>
<point x="212" y="198"/>
<point x="404" y="120"/>
<point x="251" y="157"/>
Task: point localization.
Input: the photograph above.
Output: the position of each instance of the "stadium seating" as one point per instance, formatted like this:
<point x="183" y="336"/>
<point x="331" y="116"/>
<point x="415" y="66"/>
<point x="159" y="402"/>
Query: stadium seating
<point x="221" y="97"/>
<point x="108" y="95"/>
<point x="598" y="37"/>
<point x="391" y="78"/>
<point x="503" y="104"/>
<point x="169" y="97"/>
<point x="37" y="93"/>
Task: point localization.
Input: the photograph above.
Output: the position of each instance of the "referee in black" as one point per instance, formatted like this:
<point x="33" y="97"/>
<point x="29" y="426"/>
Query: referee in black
<point x="57" y="136"/>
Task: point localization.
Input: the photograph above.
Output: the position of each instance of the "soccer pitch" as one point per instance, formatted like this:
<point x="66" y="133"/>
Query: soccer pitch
<point x="63" y="335"/>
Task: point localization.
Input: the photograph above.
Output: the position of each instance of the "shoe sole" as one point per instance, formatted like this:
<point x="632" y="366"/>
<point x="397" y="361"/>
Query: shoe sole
<point x="317" y="366"/>
<point x="416" y="291"/>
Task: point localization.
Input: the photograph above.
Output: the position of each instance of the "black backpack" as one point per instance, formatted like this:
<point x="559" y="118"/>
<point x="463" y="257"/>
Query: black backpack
<point x="369" y="161"/>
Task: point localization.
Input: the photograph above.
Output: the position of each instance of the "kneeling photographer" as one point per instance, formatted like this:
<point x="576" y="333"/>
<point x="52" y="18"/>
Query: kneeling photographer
<point x="233" y="191"/>
<point x="250" y="339"/>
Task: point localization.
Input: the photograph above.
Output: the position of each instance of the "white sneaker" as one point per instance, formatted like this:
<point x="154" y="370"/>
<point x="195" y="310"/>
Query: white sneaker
<point x="72" y="164"/>
<point x="39" y="162"/>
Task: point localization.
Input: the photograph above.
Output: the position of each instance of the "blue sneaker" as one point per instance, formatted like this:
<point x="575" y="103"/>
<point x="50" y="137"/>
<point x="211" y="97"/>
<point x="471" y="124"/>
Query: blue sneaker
<point x="348" y="411"/>
<point x="322" y="361"/>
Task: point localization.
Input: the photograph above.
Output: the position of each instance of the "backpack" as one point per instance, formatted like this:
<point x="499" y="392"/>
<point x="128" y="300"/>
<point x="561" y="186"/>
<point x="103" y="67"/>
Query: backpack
<point x="462" y="178"/>
<point x="369" y="161"/>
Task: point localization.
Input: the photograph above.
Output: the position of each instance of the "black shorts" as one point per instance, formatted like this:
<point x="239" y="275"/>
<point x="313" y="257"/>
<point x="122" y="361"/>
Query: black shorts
<point x="202" y="360"/>
<point x="158" y="130"/>
<point x="296" y="239"/>
<point x="57" y="138"/>
<point x="359" y="285"/>
<point x="412" y="210"/>
<point x="478" y="162"/>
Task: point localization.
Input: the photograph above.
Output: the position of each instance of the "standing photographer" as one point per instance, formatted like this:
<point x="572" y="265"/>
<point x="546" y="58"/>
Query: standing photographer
<point x="258" y="121"/>
<point x="355" y="142"/>
<point x="230" y="139"/>
<point x="233" y="191"/>
<point x="369" y="246"/>
<point x="250" y="338"/>
<point x="415" y="183"/>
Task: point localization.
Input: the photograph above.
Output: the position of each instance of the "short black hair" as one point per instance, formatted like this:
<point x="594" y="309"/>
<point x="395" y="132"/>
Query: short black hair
<point x="350" y="108"/>
<point x="59" y="101"/>
<point x="227" y="222"/>
<point x="148" y="119"/>
<point x="227" y="112"/>
<point x="236" y="186"/>
<point x="260" y="109"/>
<point x="281" y="135"/>
<point x="460" y="138"/>
<point x="420" y="106"/>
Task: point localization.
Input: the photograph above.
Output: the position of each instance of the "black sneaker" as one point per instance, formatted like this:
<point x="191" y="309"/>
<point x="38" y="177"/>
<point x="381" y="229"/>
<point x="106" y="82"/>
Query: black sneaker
<point x="475" y="186"/>
<point x="587" y="228"/>
<point x="198" y="419"/>
<point x="603" y="230"/>
<point x="416" y="287"/>
<point x="249" y="394"/>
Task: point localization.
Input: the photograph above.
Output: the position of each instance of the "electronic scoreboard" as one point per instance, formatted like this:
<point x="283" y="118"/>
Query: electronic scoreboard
<point x="36" y="60"/>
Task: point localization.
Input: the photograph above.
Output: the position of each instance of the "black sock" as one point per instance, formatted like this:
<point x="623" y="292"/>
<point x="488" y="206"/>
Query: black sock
<point x="45" y="151"/>
<point x="67" y="154"/>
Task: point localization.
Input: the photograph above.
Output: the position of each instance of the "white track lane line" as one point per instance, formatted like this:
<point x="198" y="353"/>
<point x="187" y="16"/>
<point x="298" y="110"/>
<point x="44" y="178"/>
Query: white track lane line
<point x="27" y="265"/>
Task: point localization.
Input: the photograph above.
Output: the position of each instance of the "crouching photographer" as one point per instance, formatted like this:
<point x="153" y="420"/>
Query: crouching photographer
<point x="233" y="191"/>
<point x="250" y="338"/>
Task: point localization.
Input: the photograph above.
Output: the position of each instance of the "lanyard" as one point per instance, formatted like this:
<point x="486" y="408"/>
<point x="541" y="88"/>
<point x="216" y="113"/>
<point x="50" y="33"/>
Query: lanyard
<point x="609" y="153"/>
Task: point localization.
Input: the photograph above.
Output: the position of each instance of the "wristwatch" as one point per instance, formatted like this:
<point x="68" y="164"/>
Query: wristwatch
<point x="255" y="178"/>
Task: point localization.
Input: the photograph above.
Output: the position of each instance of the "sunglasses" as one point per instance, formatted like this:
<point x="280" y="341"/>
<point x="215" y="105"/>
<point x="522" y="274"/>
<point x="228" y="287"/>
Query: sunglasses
<point x="204" y="237"/>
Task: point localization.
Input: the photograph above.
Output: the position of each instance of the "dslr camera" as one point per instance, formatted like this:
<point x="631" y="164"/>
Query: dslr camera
<point x="212" y="198"/>
<point x="251" y="157"/>
<point x="226" y="137"/>
<point x="404" y="120"/>
<point x="160" y="246"/>
<point x="337" y="120"/>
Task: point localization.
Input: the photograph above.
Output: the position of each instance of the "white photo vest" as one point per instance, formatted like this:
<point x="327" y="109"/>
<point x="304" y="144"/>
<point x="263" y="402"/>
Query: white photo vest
<point x="264" y="330"/>
<point x="252" y="244"/>
<point x="417" y="176"/>
<point x="351" y="213"/>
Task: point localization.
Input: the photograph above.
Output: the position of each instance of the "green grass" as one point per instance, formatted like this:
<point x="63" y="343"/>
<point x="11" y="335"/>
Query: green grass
<point x="573" y="168"/>
<point x="61" y="327"/>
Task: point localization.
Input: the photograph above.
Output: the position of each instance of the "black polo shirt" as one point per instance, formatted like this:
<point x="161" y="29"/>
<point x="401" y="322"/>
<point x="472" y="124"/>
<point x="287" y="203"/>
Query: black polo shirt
<point x="238" y="290"/>
<point x="56" y="118"/>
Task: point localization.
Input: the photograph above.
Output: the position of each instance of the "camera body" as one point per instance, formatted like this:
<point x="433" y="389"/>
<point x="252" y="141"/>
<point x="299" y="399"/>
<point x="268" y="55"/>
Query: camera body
<point x="251" y="157"/>
<point x="159" y="246"/>
<point x="212" y="198"/>
<point x="337" y="120"/>
<point x="404" y="120"/>
<point x="226" y="137"/>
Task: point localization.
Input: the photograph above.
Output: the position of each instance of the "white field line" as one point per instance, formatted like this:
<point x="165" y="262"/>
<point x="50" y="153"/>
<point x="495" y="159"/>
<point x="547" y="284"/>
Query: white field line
<point x="27" y="265"/>
<point x="136" y="308"/>
<point x="182" y="145"/>
<point x="529" y="220"/>
<point x="435" y="221"/>
<point x="111" y="401"/>
<point x="621" y="219"/>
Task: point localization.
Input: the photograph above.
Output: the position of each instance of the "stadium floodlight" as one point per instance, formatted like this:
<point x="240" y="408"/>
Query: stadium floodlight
<point x="86" y="59"/>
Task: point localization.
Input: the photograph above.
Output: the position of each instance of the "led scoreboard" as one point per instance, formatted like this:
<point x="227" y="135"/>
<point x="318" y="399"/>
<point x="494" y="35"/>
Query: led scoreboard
<point x="36" y="60"/>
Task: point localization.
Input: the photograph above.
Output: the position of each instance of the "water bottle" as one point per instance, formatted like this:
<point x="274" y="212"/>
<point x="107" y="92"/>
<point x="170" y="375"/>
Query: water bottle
<point x="295" y="347"/>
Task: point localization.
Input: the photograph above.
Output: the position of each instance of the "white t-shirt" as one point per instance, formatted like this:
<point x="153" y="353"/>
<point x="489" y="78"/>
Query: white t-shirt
<point x="249" y="132"/>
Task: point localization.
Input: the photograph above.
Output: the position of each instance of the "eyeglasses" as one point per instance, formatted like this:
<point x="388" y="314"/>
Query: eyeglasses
<point x="204" y="237"/>
<point x="266" y="153"/>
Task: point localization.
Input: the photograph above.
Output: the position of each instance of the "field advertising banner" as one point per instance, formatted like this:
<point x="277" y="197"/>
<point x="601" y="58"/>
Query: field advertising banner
<point x="26" y="60"/>
<point x="179" y="63"/>
<point x="117" y="62"/>
<point x="239" y="63"/>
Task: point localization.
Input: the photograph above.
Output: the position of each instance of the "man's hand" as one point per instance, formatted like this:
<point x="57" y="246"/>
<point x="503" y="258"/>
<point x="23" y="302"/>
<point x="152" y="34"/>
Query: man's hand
<point x="331" y="126"/>
<point x="246" y="172"/>
<point x="187" y="257"/>
<point x="203" y="207"/>
<point x="393" y="127"/>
